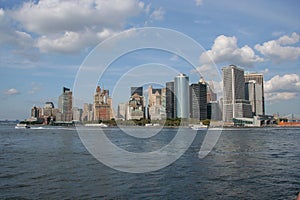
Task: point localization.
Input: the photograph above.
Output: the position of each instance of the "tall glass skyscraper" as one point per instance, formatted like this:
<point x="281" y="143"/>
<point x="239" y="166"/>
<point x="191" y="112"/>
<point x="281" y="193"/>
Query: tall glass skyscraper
<point x="170" y="100"/>
<point x="198" y="100"/>
<point x="181" y="85"/>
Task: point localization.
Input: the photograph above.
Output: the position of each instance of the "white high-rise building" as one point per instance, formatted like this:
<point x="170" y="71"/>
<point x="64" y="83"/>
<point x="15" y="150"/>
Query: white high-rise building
<point x="181" y="86"/>
<point x="234" y="103"/>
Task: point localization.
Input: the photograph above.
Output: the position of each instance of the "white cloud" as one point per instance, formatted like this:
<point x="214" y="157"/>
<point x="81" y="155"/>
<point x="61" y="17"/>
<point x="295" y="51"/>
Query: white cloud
<point x="209" y="72"/>
<point x="225" y="49"/>
<point x="280" y="96"/>
<point x="277" y="50"/>
<point x="282" y="87"/>
<point x="199" y="2"/>
<point x="1" y="12"/>
<point x="11" y="91"/>
<point x="52" y="16"/>
<point x="148" y="8"/>
<point x="285" y="83"/>
<point x="70" y="26"/>
<point x="35" y="87"/>
<point x="158" y="14"/>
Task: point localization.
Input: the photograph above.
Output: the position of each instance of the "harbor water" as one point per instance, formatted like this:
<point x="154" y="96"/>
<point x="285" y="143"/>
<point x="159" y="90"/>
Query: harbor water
<point x="53" y="163"/>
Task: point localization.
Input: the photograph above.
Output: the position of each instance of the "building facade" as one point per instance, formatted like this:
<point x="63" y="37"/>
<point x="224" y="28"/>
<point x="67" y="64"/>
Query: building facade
<point x="156" y="110"/>
<point x="170" y="100"/>
<point x="65" y="105"/>
<point x="136" y="107"/>
<point x="181" y="86"/>
<point x="87" y="114"/>
<point x="234" y="103"/>
<point x="198" y="100"/>
<point x="254" y="92"/>
<point x="138" y="90"/>
<point x="102" y="106"/>
<point x="121" y="111"/>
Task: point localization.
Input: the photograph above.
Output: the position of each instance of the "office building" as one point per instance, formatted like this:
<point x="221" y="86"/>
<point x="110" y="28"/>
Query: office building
<point x="211" y="95"/>
<point x="102" y="106"/>
<point x="65" y="105"/>
<point x="254" y="92"/>
<point x="47" y="111"/>
<point x="87" y="114"/>
<point x="35" y="112"/>
<point x="138" y="90"/>
<point x="181" y="86"/>
<point x="214" y="111"/>
<point x="170" y="100"/>
<point x="234" y="103"/>
<point x="155" y="104"/>
<point x="77" y="114"/>
<point x="122" y="111"/>
<point x="136" y="104"/>
<point x="198" y="100"/>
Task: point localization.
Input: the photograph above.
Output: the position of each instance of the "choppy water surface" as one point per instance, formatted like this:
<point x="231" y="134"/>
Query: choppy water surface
<point x="52" y="163"/>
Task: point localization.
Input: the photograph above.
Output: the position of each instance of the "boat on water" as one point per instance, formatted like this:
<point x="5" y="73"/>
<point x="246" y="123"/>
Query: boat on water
<point x="22" y="126"/>
<point x="198" y="127"/>
<point x="97" y="125"/>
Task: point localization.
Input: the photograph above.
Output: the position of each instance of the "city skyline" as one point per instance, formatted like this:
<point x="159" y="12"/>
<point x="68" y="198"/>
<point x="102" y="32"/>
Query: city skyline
<point x="38" y="58"/>
<point x="243" y="100"/>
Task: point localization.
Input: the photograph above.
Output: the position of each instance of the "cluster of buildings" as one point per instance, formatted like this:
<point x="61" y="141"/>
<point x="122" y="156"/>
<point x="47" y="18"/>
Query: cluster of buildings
<point x="242" y="102"/>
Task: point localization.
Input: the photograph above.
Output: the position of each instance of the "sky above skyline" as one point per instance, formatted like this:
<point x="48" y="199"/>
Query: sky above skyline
<point x="44" y="43"/>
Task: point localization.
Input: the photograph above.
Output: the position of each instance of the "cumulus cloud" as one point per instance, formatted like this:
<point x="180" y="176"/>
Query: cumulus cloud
<point x="11" y="91"/>
<point x="285" y="83"/>
<point x="70" y="41"/>
<point x="282" y="87"/>
<point x="49" y="16"/>
<point x="158" y="14"/>
<point x="35" y="87"/>
<point x="199" y="2"/>
<point x="280" y="96"/>
<point x="208" y="71"/>
<point x="225" y="49"/>
<point x="70" y="26"/>
<point x="281" y="49"/>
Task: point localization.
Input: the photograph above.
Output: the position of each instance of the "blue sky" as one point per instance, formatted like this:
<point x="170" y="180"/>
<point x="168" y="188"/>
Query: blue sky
<point x="43" y="44"/>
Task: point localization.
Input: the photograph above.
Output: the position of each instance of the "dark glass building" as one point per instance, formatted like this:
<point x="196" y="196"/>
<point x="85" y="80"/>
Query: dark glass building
<point x="198" y="100"/>
<point x="138" y="90"/>
<point x="170" y="101"/>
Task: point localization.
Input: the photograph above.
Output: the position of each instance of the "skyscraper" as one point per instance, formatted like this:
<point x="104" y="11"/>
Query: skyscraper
<point x="198" y="100"/>
<point x="170" y="100"/>
<point x="102" y="105"/>
<point x="65" y="104"/>
<point x="181" y="85"/>
<point x="234" y="103"/>
<point x="136" y="104"/>
<point x="254" y="92"/>
<point x="155" y="100"/>
<point x="87" y="114"/>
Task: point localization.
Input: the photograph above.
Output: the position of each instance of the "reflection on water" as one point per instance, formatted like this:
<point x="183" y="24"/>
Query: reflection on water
<point x="245" y="164"/>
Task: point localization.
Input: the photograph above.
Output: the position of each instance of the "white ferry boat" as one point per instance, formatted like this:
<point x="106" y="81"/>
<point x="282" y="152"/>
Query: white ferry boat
<point x="97" y="125"/>
<point x="22" y="126"/>
<point x="198" y="127"/>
